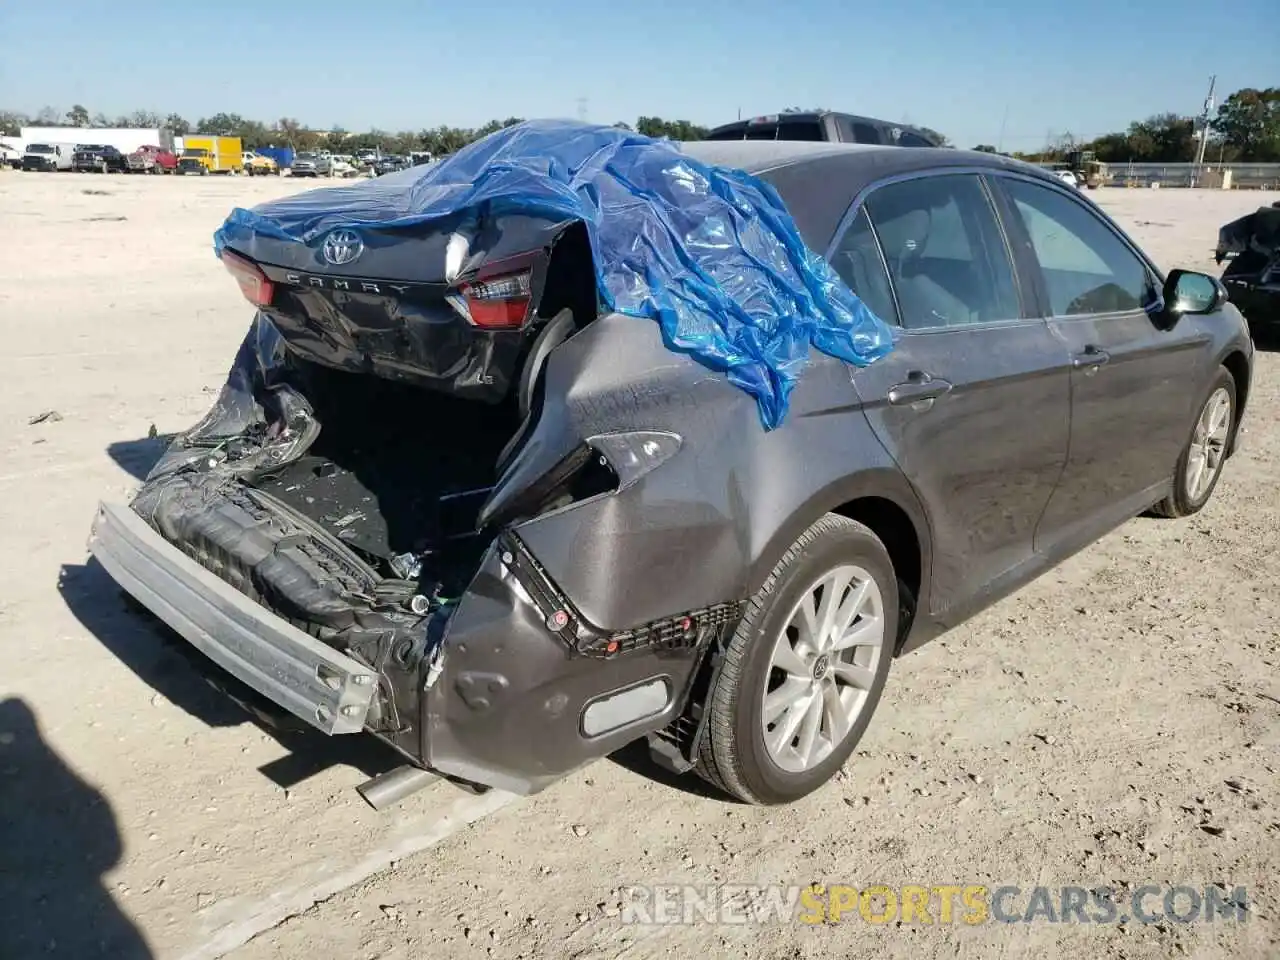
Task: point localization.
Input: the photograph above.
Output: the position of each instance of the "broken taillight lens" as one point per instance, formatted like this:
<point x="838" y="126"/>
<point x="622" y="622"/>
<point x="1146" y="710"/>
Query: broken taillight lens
<point x="255" y="286"/>
<point x="499" y="303"/>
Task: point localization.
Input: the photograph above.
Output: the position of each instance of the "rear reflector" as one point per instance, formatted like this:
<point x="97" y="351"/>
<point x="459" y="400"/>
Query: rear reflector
<point x="499" y="303"/>
<point x="255" y="286"/>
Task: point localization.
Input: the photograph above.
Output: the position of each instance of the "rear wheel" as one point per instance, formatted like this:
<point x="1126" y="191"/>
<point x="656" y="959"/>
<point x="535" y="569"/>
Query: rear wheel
<point x="1196" y="474"/>
<point x="805" y="668"/>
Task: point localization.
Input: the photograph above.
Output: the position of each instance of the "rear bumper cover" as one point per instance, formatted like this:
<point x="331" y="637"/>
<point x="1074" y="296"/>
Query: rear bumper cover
<point x="316" y="683"/>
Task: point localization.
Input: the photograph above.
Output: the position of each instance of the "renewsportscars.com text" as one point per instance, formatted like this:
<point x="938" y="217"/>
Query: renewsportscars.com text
<point x="970" y="904"/>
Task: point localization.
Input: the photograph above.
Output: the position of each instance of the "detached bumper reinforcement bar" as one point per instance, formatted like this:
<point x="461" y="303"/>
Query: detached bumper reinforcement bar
<point x="330" y="691"/>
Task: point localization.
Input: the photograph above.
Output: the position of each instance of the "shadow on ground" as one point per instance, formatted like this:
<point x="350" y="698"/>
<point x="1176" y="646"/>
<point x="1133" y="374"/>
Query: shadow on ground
<point x="635" y="757"/>
<point x="58" y="836"/>
<point x="137" y="457"/>
<point x="185" y="677"/>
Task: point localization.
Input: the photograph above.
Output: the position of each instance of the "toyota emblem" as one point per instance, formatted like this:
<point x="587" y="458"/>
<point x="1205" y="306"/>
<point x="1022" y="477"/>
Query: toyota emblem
<point x="342" y="247"/>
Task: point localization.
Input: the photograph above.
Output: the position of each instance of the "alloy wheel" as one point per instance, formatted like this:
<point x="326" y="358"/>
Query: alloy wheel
<point x="822" y="667"/>
<point x="1208" y="444"/>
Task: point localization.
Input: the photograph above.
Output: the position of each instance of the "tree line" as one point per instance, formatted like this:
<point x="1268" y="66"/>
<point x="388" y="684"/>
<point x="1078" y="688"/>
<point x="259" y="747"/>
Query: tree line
<point x="290" y="132"/>
<point x="1245" y="128"/>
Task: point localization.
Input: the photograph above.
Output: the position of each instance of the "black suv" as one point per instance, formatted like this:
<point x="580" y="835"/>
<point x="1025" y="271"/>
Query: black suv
<point x="384" y="165"/>
<point x="102" y="158"/>
<point x="825" y="126"/>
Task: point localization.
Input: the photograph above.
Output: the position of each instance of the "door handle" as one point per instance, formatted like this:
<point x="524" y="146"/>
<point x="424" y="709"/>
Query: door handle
<point x="921" y="387"/>
<point x="1092" y="357"/>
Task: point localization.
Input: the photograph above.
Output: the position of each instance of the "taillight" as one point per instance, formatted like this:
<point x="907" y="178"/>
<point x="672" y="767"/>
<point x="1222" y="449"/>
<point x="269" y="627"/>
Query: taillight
<point x="255" y="286"/>
<point x="499" y="303"/>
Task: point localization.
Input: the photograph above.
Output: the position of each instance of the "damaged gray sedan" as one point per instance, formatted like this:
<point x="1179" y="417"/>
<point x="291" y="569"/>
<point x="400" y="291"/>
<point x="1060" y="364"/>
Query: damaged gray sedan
<point x="453" y="503"/>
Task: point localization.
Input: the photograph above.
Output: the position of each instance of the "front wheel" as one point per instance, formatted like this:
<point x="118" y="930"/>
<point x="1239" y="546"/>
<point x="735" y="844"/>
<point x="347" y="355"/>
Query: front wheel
<point x="1197" y="471"/>
<point x="805" y="668"/>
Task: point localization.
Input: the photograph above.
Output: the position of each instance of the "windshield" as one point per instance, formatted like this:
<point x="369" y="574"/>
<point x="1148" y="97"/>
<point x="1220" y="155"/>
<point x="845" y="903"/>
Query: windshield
<point x="39" y="148"/>
<point x="195" y="152"/>
<point x="89" y="147"/>
<point x="306" y="156"/>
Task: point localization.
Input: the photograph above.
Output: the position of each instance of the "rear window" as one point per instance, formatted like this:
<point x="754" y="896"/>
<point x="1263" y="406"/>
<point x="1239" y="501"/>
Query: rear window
<point x="780" y="130"/>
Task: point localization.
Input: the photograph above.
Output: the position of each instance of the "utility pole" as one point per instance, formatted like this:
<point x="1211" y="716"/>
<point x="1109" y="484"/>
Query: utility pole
<point x="1204" y="131"/>
<point x="582" y="109"/>
<point x="1003" y="122"/>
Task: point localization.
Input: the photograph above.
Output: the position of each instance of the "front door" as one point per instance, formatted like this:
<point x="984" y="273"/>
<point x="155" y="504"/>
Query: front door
<point x="973" y="402"/>
<point x="1132" y="381"/>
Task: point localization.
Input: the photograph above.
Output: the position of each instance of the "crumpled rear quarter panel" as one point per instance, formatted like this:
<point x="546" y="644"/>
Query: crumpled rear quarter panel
<point x="705" y="526"/>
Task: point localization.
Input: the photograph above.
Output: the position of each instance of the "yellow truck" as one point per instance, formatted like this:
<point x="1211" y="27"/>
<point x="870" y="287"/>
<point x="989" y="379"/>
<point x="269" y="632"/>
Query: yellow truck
<point x="210" y="154"/>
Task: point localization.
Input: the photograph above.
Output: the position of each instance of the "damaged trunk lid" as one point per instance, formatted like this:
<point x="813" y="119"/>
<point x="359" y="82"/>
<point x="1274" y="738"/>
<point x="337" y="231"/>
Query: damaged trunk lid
<point x="448" y="306"/>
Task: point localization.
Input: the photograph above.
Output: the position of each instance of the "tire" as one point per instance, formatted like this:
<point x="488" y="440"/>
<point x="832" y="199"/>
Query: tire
<point x="1184" y="500"/>
<point x="733" y="754"/>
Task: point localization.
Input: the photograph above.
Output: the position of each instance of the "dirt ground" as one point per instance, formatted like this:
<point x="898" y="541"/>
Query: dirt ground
<point x="1116" y="723"/>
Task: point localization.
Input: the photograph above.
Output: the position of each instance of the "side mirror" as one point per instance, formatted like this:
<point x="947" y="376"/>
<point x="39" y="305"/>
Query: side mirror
<point x="1189" y="293"/>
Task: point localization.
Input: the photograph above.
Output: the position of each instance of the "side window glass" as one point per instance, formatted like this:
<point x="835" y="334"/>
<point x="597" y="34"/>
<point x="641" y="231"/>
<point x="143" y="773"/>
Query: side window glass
<point x="1086" y="267"/>
<point x="947" y="259"/>
<point x="865" y="133"/>
<point x="858" y="262"/>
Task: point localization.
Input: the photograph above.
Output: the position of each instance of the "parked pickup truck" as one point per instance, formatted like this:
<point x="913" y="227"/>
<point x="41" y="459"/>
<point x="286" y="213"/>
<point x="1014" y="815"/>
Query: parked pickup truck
<point x="151" y="159"/>
<point x="309" y="164"/>
<point x="256" y="165"/>
<point x="100" y="158"/>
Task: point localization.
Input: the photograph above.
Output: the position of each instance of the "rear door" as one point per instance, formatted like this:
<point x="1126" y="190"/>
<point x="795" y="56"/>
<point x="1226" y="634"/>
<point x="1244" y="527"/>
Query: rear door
<point x="1133" y="381"/>
<point x="973" y="403"/>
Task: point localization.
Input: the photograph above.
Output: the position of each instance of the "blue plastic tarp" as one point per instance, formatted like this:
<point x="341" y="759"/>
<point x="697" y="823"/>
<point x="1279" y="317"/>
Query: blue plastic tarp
<point x="283" y="156"/>
<point x="710" y="253"/>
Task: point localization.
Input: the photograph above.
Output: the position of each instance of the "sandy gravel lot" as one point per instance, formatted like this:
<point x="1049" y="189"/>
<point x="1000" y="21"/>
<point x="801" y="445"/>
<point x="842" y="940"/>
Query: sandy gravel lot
<point x="1116" y="723"/>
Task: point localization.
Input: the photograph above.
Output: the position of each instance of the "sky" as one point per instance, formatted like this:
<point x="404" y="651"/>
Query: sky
<point x="1007" y="74"/>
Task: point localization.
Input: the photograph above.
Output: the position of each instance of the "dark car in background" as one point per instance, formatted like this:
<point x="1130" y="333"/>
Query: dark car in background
<point x="99" y="158"/>
<point x="615" y="549"/>
<point x="1251" y="248"/>
<point x="825" y="127"/>
<point x="390" y="164"/>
